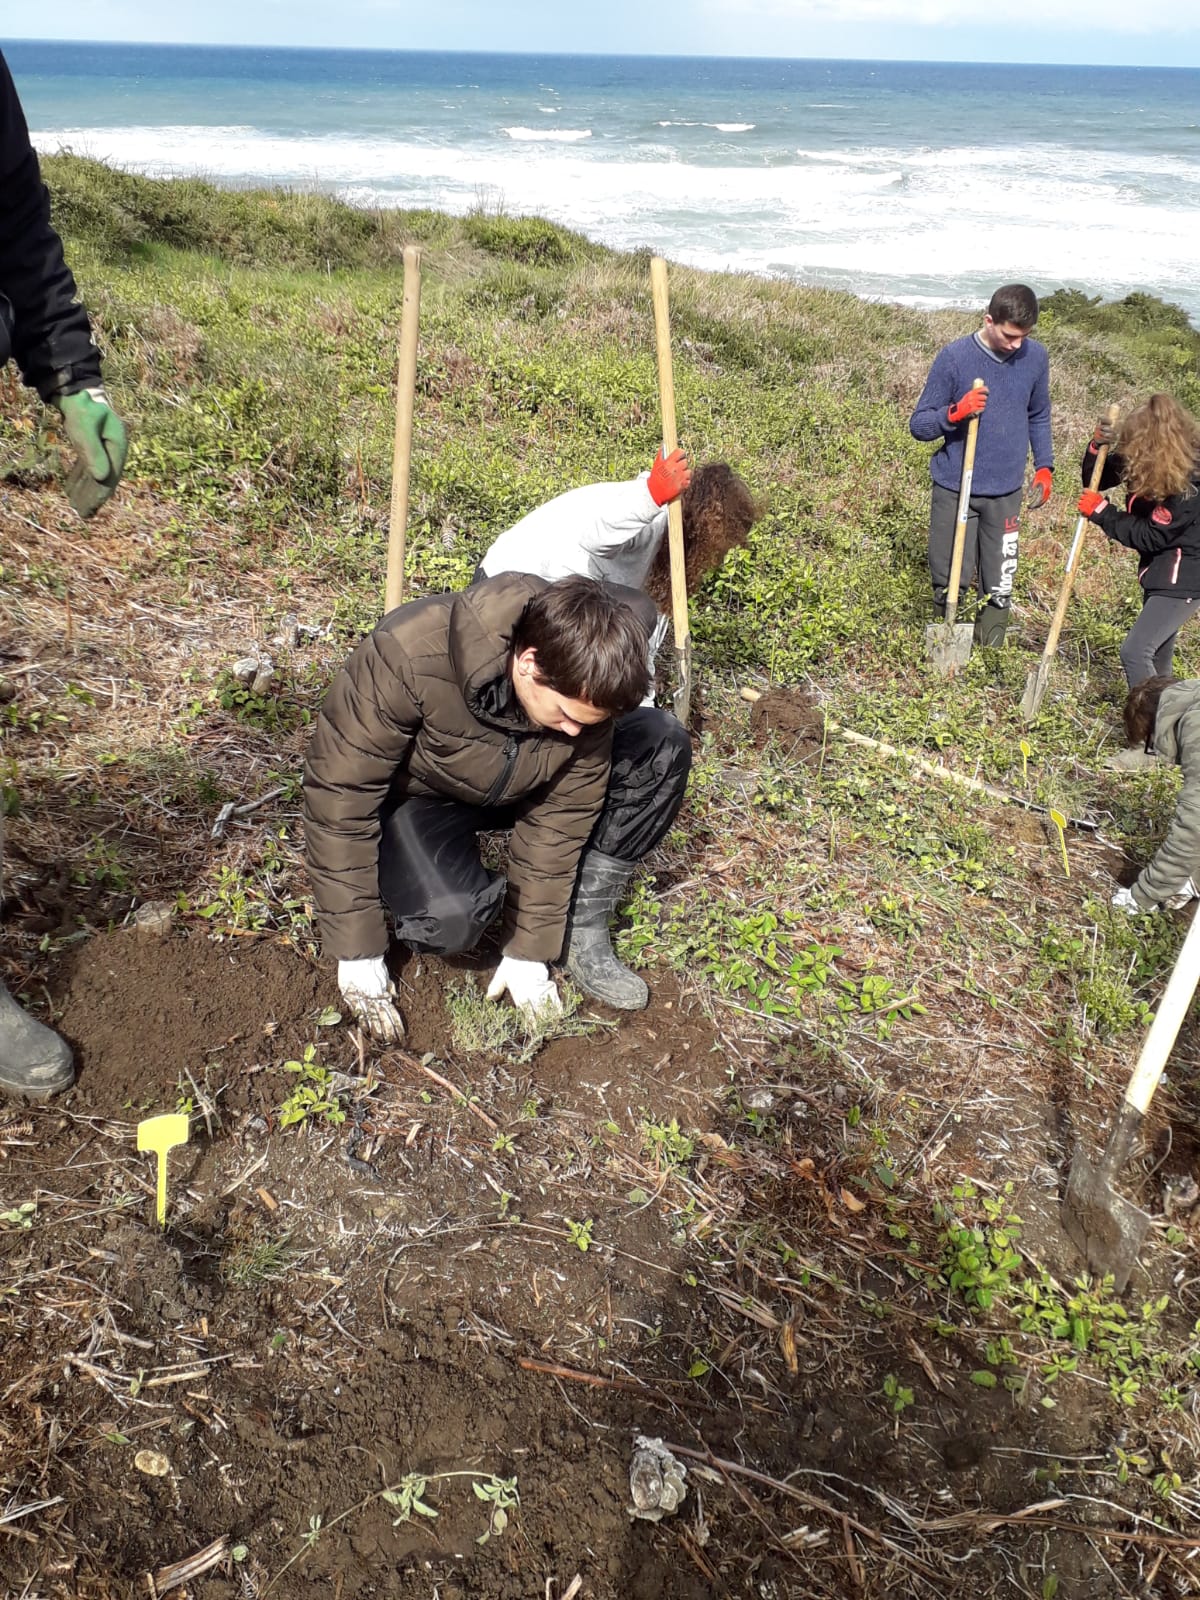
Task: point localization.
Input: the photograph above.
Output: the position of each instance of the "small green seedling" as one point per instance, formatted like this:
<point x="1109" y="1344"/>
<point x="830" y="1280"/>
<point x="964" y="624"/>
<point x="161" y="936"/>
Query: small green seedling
<point x="406" y="1499"/>
<point x="580" y="1233"/>
<point x="500" y="1495"/>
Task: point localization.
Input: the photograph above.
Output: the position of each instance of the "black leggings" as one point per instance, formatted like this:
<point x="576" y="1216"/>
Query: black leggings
<point x="439" y="893"/>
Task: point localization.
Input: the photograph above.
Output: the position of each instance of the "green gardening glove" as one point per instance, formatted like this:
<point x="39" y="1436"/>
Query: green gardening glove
<point x="101" y="444"/>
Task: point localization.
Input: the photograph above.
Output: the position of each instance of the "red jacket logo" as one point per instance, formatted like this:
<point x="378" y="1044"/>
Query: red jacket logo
<point x="1161" y="516"/>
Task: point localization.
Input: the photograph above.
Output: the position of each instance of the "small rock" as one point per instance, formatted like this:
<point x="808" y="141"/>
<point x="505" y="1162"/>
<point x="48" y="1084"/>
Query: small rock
<point x="155" y="919"/>
<point x="151" y="1463"/>
<point x="264" y="677"/>
<point x="286" y="636"/>
<point x="245" y="669"/>
<point x="1132" y="761"/>
<point x="657" y="1481"/>
<point x="1180" y="1194"/>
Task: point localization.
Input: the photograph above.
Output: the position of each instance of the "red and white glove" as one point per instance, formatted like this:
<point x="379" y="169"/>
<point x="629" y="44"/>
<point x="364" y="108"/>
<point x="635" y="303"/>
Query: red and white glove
<point x="669" y="477"/>
<point x="969" y="405"/>
<point x="368" y="991"/>
<point x="1092" y="503"/>
<point x="1041" y="488"/>
<point x="529" y="986"/>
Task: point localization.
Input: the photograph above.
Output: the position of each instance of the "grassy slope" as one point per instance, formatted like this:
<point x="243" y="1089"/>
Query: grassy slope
<point x="918" y="946"/>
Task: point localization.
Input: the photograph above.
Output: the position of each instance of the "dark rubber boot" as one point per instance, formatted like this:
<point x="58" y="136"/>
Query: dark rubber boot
<point x="34" y="1062"/>
<point x="588" y="956"/>
<point x="991" y="625"/>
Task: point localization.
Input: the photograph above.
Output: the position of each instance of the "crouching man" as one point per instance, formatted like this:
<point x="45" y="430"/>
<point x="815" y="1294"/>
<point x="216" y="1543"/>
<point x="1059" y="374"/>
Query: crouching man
<point x="514" y="704"/>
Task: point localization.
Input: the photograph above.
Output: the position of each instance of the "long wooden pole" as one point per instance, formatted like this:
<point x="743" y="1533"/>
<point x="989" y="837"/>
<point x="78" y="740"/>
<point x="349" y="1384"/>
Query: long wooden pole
<point x="1039" y="678"/>
<point x="962" y="517"/>
<point x="666" y="395"/>
<point x="406" y="383"/>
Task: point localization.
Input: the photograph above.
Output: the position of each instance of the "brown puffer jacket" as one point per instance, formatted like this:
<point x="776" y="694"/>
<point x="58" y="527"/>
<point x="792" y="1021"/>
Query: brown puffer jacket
<point x="425" y="706"/>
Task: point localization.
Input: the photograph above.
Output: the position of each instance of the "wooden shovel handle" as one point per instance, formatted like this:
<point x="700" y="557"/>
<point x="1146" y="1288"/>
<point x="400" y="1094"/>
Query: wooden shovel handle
<point x="960" y="519"/>
<point x="1168" y="1020"/>
<point x="666" y="397"/>
<point x="1073" y="554"/>
<point x="406" y="384"/>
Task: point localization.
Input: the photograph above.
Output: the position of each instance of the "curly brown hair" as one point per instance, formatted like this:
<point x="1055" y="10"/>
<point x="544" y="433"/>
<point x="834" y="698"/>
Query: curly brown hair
<point x="1141" y="711"/>
<point x="718" y="513"/>
<point x="1159" y="444"/>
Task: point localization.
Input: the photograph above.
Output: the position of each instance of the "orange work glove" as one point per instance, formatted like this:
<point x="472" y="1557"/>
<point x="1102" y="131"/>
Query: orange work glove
<point x="1091" y="503"/>
<point x="1041" y="487"/>
<point x="1102" y="433"/>
<point x="970" y="405"/>
<point x="669" y="477"/>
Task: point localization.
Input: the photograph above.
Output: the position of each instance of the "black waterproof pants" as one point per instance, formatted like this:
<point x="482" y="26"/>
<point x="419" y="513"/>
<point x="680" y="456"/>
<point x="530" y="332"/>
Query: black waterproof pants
<point x="431" y="879"/>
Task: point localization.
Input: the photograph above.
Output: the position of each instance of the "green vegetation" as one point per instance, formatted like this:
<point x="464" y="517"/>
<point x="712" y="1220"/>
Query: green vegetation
<point x="901" y="969"/>
<point x="314" y="1097"/>
<point x="481" y="1026"/>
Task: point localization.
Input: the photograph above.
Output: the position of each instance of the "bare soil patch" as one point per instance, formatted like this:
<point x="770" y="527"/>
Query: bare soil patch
<point x="680" y="1224"/>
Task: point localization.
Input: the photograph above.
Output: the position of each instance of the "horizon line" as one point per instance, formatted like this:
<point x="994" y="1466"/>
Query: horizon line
<point x="594" y="55"/>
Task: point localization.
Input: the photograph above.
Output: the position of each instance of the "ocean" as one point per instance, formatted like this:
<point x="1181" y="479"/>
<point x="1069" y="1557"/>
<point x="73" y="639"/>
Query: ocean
<point x="924" y="183"/>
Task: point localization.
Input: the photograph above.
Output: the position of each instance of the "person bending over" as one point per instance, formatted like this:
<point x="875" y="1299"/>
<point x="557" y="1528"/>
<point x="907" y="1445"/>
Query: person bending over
<point x="489" y="709"/>
<point x="1014" y="418"/>
<point x="615" y="530"/>
<point x="45" y="329"/>
<point x="1157" y="457"/>
<point x="1162" y="717"/>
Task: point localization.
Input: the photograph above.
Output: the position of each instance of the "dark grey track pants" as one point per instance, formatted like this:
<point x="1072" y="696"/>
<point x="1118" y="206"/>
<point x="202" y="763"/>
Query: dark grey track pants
<point x="990" y="550"/>
<point x="1147" y="649"/>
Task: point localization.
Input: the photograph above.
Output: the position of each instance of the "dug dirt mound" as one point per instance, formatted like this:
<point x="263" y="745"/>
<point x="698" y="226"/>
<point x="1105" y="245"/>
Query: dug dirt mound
<point x="793" y="718"/>
<point x="144" y="1013"/>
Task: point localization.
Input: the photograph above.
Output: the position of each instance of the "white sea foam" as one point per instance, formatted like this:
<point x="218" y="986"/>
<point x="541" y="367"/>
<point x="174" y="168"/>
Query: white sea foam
<point x="731" y="127"/>
<point x="928" y="226"/>
<point x="559" y="135"/>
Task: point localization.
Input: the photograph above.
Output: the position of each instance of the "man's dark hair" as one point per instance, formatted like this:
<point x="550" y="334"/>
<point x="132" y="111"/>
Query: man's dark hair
<point x="591" y="645"/>
<point x="1015" y="303"/>
<point x="1141" y="711"/>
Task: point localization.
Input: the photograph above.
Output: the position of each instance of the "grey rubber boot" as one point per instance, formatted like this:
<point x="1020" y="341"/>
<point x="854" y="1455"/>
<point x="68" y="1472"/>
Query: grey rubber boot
<point x="588" y="956"/>
<point x="34" y="1062"/>
<point x="991" y="625"/>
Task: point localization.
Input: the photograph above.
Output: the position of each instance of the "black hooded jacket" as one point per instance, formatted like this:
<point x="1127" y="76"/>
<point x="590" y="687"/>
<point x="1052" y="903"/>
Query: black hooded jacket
<point x="1165" y="533"/>
<point x="42" y="323"/>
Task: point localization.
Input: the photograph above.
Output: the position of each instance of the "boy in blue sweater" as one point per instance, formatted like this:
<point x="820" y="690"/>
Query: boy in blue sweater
<point x="1014" y="417"/>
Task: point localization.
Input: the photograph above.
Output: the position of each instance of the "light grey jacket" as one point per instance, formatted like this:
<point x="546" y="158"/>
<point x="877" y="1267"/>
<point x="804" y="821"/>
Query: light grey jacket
<point x="1175" y="869"/>
<point x="602" y="530"/>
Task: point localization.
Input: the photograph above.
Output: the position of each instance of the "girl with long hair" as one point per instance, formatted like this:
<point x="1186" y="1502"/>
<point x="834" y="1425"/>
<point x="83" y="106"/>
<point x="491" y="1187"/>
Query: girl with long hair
<point x="1157" y="457"/>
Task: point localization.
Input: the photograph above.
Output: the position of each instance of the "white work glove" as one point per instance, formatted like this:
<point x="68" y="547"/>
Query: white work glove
<point x="529" y="986"/>
<point x="1123" y="900"/>
<point x="368" y="991"/>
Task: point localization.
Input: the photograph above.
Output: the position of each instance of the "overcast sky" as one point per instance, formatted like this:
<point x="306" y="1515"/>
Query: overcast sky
<point x="1113" y="32"/>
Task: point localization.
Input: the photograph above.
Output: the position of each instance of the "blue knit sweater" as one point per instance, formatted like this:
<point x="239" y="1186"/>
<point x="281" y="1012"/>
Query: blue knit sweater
<point x="1016" y="418"/>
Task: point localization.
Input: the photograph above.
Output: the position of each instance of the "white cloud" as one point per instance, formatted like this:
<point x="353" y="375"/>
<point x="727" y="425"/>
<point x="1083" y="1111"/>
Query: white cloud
<point x="1089" y="16"/>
